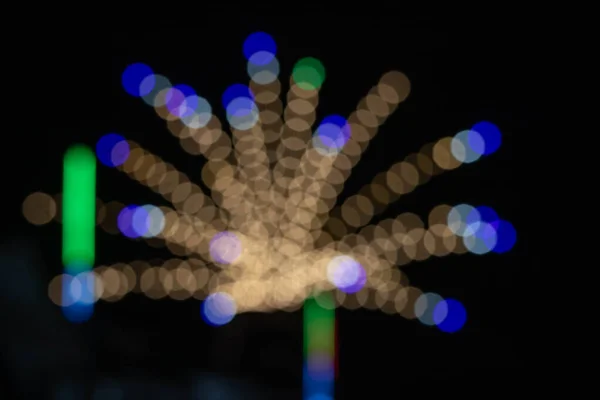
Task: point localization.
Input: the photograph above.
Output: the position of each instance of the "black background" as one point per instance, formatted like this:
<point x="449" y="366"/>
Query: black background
<point x="460" y="75"/>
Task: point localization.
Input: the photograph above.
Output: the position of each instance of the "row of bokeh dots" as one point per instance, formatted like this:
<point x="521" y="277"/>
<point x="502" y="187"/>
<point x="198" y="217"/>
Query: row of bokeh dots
<point x="239" y="100"/>
<point x="182" y="102"/>
<point x="338" y="142"/>
<point x="400" y="179"/>
<point x="403" y="177"/>
<point x="480" y="229"/>
<point x="344" y="272"/>
<point x="186" y="279"/>
<point x="466" y="147"/>
<point x="431" y="309"/>
<point x="336" y="147"/>
<point x="144" y="212"/>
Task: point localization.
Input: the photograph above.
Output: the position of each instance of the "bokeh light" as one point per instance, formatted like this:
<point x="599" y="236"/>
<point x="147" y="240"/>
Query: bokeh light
<point x="320" y="366"/>
<point x="506" y="236"/>
<point x="234" y="92"/>
<point x="346" y="274"/>
<point x="425" y="307"/>
<point x="320" y="396"/>
<point x="199" y="112"/>
<point x="218" y="309"/>
<point x="309" y="73"/>
<point x="242" y="113"/>
<point x="457" y="218"/>
<point x="332" y="134"/>
<point x="159" y="85"/>
<point x="140" y="221"/>
<point x="271" y="222"/>
<point x="482" y="213"/>
<point x="78" y="296"/>
<point x="112" y="150"/>
<point x="490" y="134"/>
<point x="180" y="100"/>
<point x="39" y="208"/>
<point x="125" y="222"/>
<point x="225" y="247"/>
<point x="450" y="315"/>
<point x="241" y="110"/>
<point x="155" y="222"/>
<point x="480" y="238"/>
<point x="262" y="44"/>
<point x="260" y="72"/>
<point x="138" y="79"/>
<point x="467" y="146"/>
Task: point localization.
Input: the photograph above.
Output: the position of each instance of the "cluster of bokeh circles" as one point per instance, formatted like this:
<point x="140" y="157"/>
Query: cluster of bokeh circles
<point x="481" y="229"/>
<point x="268" y="235"/>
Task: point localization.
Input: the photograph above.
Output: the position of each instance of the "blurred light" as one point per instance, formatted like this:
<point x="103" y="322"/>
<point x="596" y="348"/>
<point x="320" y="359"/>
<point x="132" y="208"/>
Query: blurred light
<point x="490" y="134"/>
<point x="218" y="309"/>
<point x="159" y="84"/>
<point x="78" y="296"/>
<point x="260" y="72"/>
<point x="154" y="222"/>
<point x="320" y="396"/>
<point x="260" y="43"/>
<point x="482" y="214"/>
<point x="480" y="238"/>
<point x="140" y="221"/>
<point x="319" y="347"/>
<point x="242" y="113"/>
<point x="320" y="366"/>
<point x="331" y="135"/>
<point x="138" y="79"/>
<point x="450" y="315"/>
<point x="425" y="307"/>
<point x="506" y="236"/>
<point x="112" y="150"/>
<point x="457" y="218"/>
<point x="200" y="112"/>
<point x="243" y="183"/>
<point x="180" y="100"/>
<point x="467" y="146"/>
<point x="236" y="91"/>
<point x="309" y="74"/>
<point x="79" y="206"/>
<point x="39" y="208"/>
<point x="225" y="247"/>
<point x="125" y="222"/>
<point x="346" y="274"/>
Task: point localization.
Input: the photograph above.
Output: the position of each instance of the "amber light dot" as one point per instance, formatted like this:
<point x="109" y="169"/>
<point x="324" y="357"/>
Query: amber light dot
<point x="39" y="208"/>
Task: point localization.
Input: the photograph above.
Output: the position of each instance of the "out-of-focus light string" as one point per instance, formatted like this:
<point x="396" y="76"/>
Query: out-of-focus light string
<point x="446" y="154"/>
<point x="319" y="348"/>
<point x="79" y="224"/>
<point x="478" y="230"/>
<point x="273" y="234"/>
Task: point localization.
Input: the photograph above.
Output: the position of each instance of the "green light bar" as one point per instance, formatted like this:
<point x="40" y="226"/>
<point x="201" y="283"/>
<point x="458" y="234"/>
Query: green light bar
<point x="319" y="325"/>
<point x="79" y="207"/>
<point x="319" y="348"/>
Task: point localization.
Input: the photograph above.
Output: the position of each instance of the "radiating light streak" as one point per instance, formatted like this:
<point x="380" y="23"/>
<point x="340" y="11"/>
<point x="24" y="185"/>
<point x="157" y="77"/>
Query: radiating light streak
<point x="158" y="166"/>
<point x="396" y="186"/>
<point x="322" y="163"/>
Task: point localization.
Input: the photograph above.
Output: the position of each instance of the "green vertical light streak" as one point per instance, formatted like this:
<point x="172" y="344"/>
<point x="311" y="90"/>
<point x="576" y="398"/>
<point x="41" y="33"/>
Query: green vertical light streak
<point x="319" y="325"/>
<point x="79" y="207"/>
<point x="319" y="348"/>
